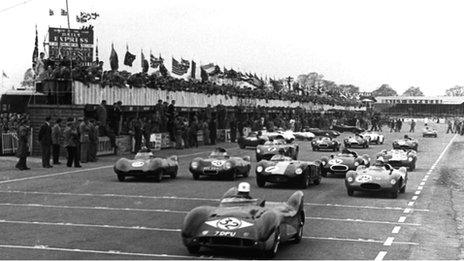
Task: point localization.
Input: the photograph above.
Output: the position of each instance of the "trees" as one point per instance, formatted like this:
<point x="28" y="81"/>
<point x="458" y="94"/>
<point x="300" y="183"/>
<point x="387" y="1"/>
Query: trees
<point x="455" y="91"/>
<point x="413" y="91"/>
<point x="384" y="90"/>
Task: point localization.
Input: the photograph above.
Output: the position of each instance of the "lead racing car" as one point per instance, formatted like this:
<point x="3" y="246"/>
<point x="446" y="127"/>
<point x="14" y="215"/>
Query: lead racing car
<point x="325" y="143"/>
<point x="356" y="141"/>
<point x="145" y="164"/>
<point x="380" y="177"/>
<point x="253" y="139"/>
<point x="398" y="158"/>
<point x="343" y="162"/>
<point x="220" y="164"/>
<point x="282" y="169"/>
<point x="241" y="222"/>
<point x="276" y="146"/>
<point x="373" y="137"/>
<point x="406" y="143"/>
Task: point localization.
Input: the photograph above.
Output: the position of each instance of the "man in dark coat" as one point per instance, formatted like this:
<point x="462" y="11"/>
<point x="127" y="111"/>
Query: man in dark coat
<point x="212" y="131"/>
<point x="71" y="141"/>
<point x="45" y="140"/>
<point x="93" y="137"/>
<point x="23" y="150"/>
<point x="56" y="141"/>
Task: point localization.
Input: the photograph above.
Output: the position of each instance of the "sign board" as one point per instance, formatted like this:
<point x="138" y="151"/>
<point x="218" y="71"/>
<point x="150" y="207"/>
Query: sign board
<point x="156" y="140"/>
<point x="75" y="44"/>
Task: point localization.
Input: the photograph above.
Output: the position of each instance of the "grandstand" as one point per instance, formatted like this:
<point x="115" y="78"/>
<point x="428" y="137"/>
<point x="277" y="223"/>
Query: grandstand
<point x="420" y="105"/>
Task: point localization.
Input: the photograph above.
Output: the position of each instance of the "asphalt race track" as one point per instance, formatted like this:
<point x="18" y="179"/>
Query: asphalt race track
<point x="68" y="213"/>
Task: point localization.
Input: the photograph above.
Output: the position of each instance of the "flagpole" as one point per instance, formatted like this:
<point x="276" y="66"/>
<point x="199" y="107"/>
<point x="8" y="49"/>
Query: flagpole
<point x="70" y="59"/>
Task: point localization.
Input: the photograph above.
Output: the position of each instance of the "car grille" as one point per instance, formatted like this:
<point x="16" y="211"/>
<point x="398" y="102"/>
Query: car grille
<point x="395" y="163"/>
<point x="267" y="156"/>
<point x="339" y="168"/>
<point x="371" y="186"/>
<point x="323" y="145"/>
<point x="210" y="172"/>
<point x="226" y="241"/>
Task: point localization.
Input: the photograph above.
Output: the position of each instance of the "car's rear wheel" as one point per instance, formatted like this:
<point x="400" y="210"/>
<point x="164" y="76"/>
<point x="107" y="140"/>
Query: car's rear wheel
<point x="403" y="188"/>
<point x="193" y="249"/>
<point x="261" y="182"/>
<point x="121" y="177"/>
<point x="350" y="192"/>
<point x="270" y="253"/>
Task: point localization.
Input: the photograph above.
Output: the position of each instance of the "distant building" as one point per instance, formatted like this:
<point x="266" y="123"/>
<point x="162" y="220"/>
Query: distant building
<point x="416" y="105"/>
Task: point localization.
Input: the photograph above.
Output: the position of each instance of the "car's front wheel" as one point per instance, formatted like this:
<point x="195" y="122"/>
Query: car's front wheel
<point x="305" y="182"/>
<point x="158" y="176"/>
<point x="270" y="253"/>
<point x="193" y="249"/>
<point x="394" y="192"/>
<point x="196" y="176"/>
<point x="121" y="177"/>
<point x="260" y="181"/>
<point x="299" y="232"/>
<point x="350" y="192"/>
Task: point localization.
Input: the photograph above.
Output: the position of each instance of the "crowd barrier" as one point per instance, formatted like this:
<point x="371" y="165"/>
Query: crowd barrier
<point x="95" y="93"/>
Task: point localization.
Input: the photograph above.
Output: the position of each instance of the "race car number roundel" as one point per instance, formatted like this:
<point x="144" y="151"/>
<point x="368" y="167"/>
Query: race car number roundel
<point x="137" y="164"/>
<point x="229" y="223"/>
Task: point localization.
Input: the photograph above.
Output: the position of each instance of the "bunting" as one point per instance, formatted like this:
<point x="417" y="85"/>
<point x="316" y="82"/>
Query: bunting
<point x="155" y="62"/>
<point x="180" y="68"/>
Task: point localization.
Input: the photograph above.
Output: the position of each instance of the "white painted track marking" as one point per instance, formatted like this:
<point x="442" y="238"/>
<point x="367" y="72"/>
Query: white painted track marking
<point x="94" y="208"/>
<point x="401" y="219"/>
<point x="105" y="252"/>
<point x="380" y="256"/>
<point x="414" y="197"/>
<point x="361" y="221"/>
<point x="389" y="241"/>
<point x="359" y="240"/>
<point x="396" y="230"/>
<point x="417" y="192"/>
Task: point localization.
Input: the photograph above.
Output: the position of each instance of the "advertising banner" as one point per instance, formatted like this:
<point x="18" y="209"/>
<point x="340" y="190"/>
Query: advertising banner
<point x="75" y="44"/>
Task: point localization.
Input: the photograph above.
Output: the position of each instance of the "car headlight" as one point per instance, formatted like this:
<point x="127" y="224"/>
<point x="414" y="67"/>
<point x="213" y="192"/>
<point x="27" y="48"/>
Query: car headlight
<point x="194" y="165"/>
<point x="258" y="151"/>
<point x="324" y="163"/>
<point x="298" y="171"/>
<point x="259" y="169"/>
<point x="393" y="181"/>
<point x="350" y="179"/>
<point x="356" y="164"/>
<point x="410" y="158"/>
<point x="227" y="165"/>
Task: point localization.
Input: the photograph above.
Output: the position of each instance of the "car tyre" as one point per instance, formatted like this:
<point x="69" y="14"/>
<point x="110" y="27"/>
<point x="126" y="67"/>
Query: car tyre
<point x="196" y="176"/>
<point x="121" y="177"/>
<point x="159" y="176"/>
<point x="350" y="192"/>
<point x="403" y="189"/>
<point x="306" y="181"/>
<point x="324" y="173"/>
<point x="193" y="249"/>
<point x="241" y="146"/>
<point x="247" y="172"/>
<point x="394" y="193"/>
<point x="317" y="181"/>
<point x="232" y="176"/>
<point x="299" y="233"/>
<point x="270" y="253"/>
<point x="260" y="181"/>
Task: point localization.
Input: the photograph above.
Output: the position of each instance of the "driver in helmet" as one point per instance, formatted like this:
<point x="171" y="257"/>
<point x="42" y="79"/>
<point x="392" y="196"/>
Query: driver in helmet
<point x="243" y="190"/>
<point x="380" y="162"/>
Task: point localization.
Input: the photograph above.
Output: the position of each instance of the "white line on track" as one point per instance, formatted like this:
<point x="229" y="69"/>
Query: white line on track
<point x="422" y="183"/>
<point x="417" y="192"/>
<point x="39" y="223"/>
<point x="407" y="210"/>
<point x="414" y="197"/>
<point x="86" y="169"/>
<point x="396" y="230"/>
<point x="389" y="241"/>
<point x="192" y="199"/>
<point x="380" y="256"/>
<point x="93" y="208"/>
<point x="361" y="221"/>
<point x="410" y="203"/>
<point x="420" y="187"/>
<point x="105" y="252"/>
<point x="402" y="219"/>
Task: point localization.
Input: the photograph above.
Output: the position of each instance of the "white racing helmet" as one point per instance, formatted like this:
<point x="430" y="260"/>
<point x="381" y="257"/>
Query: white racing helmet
<point x="244" y="187"/>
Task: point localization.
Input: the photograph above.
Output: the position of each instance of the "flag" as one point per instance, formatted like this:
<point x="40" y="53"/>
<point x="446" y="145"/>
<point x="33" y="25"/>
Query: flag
<point x="144" y="62"/>
<point x="64" y="12"/>
<point x="35" y="53"/>
<point x="180" y="68"/>
<point x="209" y="68"/>
<point x="96" y="52"/>
<point x="50" y="12"/>
<point x="4" y="75"/>
<point x="194" y="67"/>
<point x="128" y="58"/>
<point x="114" y="62"/>
<point x="163" y="70"/>
<point x="155" y="62"/>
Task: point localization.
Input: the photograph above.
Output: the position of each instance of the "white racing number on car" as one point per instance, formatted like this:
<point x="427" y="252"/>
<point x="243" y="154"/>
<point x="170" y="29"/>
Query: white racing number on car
<point x="363" y="178"/>
<point x="229" y="223"/>
<point x="137" y="164"/>
<point x="217" y="163"/>
<point x="335" y="161"/>
<point x="272" y="149"/>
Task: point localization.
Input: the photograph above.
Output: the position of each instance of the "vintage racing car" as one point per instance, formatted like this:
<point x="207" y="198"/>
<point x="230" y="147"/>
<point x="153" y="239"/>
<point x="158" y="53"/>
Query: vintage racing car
<point x="373" y="137"/>
<point x="244" y="223"/>
<point x="406" y="143"/>
<point x="326" y="133"/>
<point x="343" y="162"/>
<point x="282" y="169"/>
<point x="302" y="135"/>
<point x="429" y="132"/>
<point x="146" y="164"/>
<point x="356" y="141"/>
<point x="398" y="158"/>
<point x="276" y="146"/>
<point x="325" y="143"/>
<point x="379" y="177"/>
<point x="220" y="164"/>
<point x="253" y="139"/>
<point x="348" y="128"/>
<point x="288" y="136"/>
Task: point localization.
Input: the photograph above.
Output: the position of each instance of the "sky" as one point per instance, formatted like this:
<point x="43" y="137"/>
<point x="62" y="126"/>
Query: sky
<point x="366" y="43"/>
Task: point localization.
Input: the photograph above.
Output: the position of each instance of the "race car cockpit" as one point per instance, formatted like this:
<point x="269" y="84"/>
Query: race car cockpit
<point x="144" y="153"/>
<point x="219" y="153"/>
